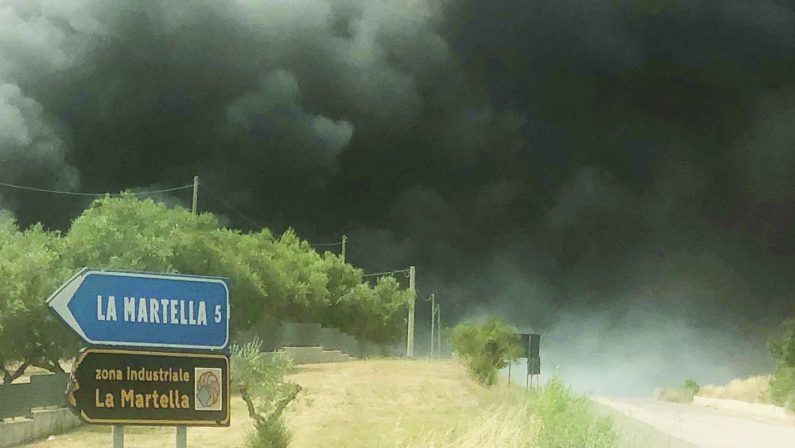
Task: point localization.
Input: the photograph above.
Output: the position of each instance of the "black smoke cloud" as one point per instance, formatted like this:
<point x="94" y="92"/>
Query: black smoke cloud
<point x="610" y="173"/>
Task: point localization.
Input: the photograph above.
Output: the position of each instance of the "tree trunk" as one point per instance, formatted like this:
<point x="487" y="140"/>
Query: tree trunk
<point x="252" y="410"/>
<point x="277" y="411"/>
<point x="53" y="365"/>
<point x="8" y="377"/>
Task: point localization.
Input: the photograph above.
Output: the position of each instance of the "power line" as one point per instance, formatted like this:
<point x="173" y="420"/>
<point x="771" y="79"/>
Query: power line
<point x="367" y="258"/>
<point x="250" y="220"/>
<point x="405" y="271"/>
<point x="234" y="210"/>
<point x="78" y="193"/>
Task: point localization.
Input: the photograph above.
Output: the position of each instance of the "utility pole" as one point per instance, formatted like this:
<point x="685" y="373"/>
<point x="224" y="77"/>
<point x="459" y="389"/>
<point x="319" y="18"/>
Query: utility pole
<point x="438" y="331"/>
<point x="410" y="335"/>
<point x="344" y="242"/>
<point x="194" y="209"/>
<point x="433" y="320"/>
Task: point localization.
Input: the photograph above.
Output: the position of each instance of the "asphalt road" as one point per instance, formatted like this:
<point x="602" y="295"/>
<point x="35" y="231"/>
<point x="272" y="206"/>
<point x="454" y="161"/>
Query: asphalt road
<point x="695" y="426"/>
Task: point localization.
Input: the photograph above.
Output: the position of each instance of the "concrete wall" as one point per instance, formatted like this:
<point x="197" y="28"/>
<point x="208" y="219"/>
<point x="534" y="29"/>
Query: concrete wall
<point x="293" y="334"/>
<point x="43" y="423"/>
<point x="312" y="355"/>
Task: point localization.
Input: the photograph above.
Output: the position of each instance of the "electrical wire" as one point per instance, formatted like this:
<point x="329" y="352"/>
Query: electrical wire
<point x="405" y="271"/>
<point x="250" y="220"/>
<point x="78" y="193"/>
<point x="354" y="252"/>
<point x="232" y="209"/>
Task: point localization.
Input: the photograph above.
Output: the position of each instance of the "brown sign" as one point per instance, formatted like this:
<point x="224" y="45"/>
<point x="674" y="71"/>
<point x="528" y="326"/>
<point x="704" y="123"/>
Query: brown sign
<point x="110" y="386"/>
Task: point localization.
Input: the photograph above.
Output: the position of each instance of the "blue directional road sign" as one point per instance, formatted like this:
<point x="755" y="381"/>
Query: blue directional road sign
<point x="145" y="309"/>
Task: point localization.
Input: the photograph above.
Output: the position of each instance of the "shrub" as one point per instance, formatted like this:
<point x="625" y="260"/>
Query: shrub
<point x="266" y="393"/>
<point x="566" y="420"/>
<point x="486" y="348"/>
<point x="754" y="389"/>
<point x="273" y="435"/>
<point x="683" y="393"/>
<point x="782" y="387"/>
<point x="782" y="381"/>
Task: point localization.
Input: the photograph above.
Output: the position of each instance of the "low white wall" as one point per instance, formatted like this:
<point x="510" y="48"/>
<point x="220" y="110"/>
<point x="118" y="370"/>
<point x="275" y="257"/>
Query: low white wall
<point x="767" y="411"/>
<point x="45" y="422"/>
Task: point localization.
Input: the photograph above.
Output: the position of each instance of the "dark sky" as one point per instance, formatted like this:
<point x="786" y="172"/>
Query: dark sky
<point x="548" y="161"/>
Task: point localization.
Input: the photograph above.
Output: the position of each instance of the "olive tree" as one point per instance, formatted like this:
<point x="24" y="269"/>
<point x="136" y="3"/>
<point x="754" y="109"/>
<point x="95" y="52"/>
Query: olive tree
<point x="31" y="271"/>
<point x="263" y="387"/>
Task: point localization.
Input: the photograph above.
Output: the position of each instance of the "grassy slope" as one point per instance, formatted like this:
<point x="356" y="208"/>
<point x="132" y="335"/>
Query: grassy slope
<point x="94" y="436"/>
<point x="384" y="402"/>
<point x="356" y="404"/>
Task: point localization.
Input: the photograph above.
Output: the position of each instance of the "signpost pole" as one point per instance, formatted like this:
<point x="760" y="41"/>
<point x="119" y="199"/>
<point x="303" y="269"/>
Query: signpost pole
<point x="182" y="437"/>
<point x="118" y="436"/>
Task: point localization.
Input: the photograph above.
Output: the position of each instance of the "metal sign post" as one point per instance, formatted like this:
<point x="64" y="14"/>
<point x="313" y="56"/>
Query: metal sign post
<point x="118" y="436"/>
<point x="182" y="437"/>
<point x="531" y="344"/>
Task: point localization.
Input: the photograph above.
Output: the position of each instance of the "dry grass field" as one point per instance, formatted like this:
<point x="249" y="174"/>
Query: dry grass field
<point x="388" y="403"/>
<point x="373" y="403"/>
<point x="95" y="436"/>
<point x="753" y="389"/>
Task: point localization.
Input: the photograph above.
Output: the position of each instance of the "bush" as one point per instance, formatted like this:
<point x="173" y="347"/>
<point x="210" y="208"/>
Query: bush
<point x="486" y="348"/>
<point x="566" y="420"/>
<point x="683" y="393"/>
<point x="782" y="387"/>
<point x="274" y="435"/>
<point x="266" y="393"/>
<point x="782" y="381"/>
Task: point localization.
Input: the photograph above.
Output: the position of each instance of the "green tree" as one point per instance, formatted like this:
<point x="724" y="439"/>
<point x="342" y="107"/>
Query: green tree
<point x="782" y="381"/>
<point x="265" y="391"/>
<point x="31" y="271"/>
<point x="486" y="347"/>
<point x="271" y="278"/>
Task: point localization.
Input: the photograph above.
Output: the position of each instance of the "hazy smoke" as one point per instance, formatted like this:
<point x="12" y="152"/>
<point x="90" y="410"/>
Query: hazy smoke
<point x="608" y="172"/>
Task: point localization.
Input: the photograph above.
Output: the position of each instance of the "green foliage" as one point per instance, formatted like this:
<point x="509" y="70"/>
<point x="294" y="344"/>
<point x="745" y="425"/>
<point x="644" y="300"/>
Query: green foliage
<point x="566" y="420"/>
<point x="486" y="347"/>
<point x="271" y="278"/>
<point x="782" y="382"/>
<point x="683" y="393"/>
<point x="269" y="436"/>
<point x="30" y="270"/>
<point x="263" y="388"/>
<point x="782" y="387"/>
<point x="782" y="344"/>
